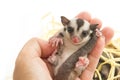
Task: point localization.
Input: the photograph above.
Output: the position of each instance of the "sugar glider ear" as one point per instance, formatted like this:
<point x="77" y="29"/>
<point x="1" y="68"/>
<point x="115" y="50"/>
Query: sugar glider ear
<point x="64" y="20"/>
<point x="93" y="26"/>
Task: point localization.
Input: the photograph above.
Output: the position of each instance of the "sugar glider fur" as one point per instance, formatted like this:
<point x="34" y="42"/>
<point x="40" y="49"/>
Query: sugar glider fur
<point x="74" y="42"/>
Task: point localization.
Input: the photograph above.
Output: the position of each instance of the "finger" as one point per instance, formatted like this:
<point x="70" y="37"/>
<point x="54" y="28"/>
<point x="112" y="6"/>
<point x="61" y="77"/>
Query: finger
<point x="94" y="58"/>
<point x="46" y="48"/>
<point x="87" y="16"/>
<point x="96" y="21"/>
<point x="84" y="15"/>
<point x="37" y="48"/>
<point x="108" y="33"/>
<point x="95" y="54"/>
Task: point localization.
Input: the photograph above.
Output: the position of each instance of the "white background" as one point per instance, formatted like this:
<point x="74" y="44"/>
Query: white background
<point x="20" y="20"/>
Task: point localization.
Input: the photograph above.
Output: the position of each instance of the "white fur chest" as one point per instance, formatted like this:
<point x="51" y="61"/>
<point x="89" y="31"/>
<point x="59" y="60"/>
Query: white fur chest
<point x="68" y="50"/>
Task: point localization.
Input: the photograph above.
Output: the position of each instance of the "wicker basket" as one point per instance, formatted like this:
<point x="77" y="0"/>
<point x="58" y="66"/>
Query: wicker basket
<point x="109" y="63"/>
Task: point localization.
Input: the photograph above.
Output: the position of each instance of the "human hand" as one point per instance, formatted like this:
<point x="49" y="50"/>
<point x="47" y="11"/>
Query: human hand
<point x="31" y="63"/>
<point x="107" y="34"/>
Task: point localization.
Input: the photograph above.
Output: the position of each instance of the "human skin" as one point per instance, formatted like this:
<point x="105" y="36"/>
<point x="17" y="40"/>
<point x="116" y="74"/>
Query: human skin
<point x="31" y="63"/>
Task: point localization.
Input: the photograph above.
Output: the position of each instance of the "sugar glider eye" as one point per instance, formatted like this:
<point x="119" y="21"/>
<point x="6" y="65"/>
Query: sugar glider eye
<point x="70" y="29"/>
<point x="84" y="33"/>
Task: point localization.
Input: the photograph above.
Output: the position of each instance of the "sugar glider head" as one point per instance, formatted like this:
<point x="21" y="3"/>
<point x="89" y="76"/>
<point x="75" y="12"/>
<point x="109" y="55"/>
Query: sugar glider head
<point x="77" y="30"/>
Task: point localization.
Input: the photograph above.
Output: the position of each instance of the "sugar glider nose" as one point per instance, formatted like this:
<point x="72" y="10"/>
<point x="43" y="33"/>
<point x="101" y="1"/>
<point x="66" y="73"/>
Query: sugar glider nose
<point x="75" y="39"/>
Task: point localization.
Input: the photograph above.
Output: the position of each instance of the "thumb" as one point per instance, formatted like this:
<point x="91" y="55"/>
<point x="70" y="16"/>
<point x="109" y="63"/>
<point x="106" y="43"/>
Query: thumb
<point x="37" y="48"/>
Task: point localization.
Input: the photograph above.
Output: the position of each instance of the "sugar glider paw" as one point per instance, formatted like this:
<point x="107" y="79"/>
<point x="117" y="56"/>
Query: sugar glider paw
<point x="82" y="63"/>
<point x="52" y="59"/>
<point x="55" y="41"/>
<point x="98" y="33"/>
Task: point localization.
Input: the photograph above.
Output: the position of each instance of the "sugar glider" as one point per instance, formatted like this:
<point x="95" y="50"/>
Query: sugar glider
<point x="74" y="42"/>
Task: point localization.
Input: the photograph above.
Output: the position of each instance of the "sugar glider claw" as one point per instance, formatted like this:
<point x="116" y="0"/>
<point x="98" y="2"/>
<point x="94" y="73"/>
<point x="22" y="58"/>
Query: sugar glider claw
<point x="98" y="33"/>
<point x="55" y="41"/>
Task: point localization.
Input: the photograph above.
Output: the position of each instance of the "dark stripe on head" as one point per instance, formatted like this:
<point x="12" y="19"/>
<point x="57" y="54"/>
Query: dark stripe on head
<point x="80" y="22"/>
